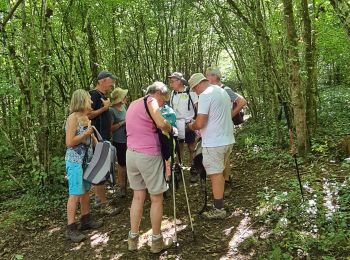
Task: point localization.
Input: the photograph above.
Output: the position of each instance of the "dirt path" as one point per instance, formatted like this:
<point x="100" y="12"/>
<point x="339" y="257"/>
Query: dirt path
<point x="213" y="239"/>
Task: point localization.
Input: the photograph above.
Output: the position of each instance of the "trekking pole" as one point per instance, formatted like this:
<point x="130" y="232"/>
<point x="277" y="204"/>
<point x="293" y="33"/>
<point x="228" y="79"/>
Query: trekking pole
<point x="174" y="203"/>
<point x="293" y="150"/>
<point x="188" y="204"/>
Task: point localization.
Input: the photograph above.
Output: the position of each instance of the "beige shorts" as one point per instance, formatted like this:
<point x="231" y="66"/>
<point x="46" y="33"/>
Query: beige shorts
<point x="215" y="158"/>
<point x="145" y="172"/>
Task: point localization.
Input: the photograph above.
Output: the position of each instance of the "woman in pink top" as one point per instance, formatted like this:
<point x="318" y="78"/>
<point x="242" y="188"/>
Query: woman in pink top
<point x="144" y="163"/>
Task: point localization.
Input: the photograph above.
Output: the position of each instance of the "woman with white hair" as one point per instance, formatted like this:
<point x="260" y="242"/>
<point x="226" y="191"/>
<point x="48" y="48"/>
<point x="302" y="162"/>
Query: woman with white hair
<point x="144" y="163"/>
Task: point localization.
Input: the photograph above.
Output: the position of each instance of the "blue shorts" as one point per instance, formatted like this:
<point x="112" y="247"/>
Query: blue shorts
<point x="76" y="184"/>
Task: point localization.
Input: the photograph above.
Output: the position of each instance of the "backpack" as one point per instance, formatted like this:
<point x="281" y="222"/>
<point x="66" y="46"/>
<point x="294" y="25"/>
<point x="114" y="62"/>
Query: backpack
<point x="238" y="118"/>
<point x="101" y="167"/>
<point x="166" y="142"/>
<point x="190" y="101"/>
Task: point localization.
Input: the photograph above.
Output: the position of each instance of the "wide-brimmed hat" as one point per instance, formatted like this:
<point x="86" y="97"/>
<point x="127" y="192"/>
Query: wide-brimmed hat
<point x="118" y="95"/>
<point x="195" y="79"/>
<point x="213" y="70"/>
<point x="177" y="75"/>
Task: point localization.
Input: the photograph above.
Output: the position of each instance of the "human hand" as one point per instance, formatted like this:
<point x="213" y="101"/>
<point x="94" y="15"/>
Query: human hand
<point x="89" y="130"/>
<point x="106" y="103"/>
<point x="175" y="131"/>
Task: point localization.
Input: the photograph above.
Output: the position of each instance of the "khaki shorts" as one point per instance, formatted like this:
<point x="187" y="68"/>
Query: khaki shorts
<point x="215" y="158"/>
<point x="145" y="172"/>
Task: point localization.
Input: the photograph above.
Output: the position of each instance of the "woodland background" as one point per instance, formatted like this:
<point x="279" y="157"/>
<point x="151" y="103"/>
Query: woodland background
<point x="271" y="51"/>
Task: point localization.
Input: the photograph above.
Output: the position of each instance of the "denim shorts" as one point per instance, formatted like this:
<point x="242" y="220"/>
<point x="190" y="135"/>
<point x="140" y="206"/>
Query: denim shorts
<point x="76" y="184"/>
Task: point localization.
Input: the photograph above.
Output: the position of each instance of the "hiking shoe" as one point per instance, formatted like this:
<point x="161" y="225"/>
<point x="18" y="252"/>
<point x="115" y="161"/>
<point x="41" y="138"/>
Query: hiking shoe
<point x="107" y="209"/>
<point x="87" y="222"/>
<point x="73" y="234"/>
<point x="161" y="244"/>
<point x="215" y="213"/>
<point x="132" y="243"/>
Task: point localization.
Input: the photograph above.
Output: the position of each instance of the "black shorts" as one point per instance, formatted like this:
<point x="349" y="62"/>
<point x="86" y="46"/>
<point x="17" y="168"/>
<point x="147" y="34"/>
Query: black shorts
<point x="121" y="153"/>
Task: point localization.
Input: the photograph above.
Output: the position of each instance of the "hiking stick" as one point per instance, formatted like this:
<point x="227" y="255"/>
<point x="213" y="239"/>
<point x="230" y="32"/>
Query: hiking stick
<point x="174" y="204"/>
<point x="292" y="146"/>
<point x="188" y="204"/>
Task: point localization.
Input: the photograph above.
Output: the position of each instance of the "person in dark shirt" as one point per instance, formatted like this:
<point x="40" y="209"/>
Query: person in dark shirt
<point x="101" y="119"/>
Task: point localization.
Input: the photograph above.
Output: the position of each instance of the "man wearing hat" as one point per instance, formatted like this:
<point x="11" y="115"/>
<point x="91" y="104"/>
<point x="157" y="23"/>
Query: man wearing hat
<point x="100" y="118"/>
<point x="184" y="103"/>
<point x="238" y="102"/>
<point x="216" y="128"/>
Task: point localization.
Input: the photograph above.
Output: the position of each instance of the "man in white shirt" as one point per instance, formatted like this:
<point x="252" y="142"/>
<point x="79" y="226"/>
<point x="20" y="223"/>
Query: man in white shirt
<point x="238" y="102"/>
<point x="216" y="128"/>
<point x="184" y="103"/>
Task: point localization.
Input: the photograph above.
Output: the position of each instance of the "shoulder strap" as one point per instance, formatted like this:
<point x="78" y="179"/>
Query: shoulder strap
<point x="191" y="101"/>
<point x="147" y="110"/>
<point x="171" y="98"/>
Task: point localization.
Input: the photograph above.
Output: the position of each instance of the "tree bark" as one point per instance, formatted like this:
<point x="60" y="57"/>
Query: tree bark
<point x="296" y="90"/>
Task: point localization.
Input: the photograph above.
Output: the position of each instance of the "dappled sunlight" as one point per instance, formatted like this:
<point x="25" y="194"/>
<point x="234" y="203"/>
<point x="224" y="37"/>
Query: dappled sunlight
<point x="330" y="199"/>
<point x="99" y="239"/>
<point x="168" y="230"/>
<point x="78" y="247"/>
<point x="53" y="230"/>
<point x="243" y="231"/>
<point x="116" y="256"/>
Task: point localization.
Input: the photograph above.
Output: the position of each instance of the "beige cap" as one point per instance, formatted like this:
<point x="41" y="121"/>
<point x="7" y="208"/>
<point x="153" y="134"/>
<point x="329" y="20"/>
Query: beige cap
<point x="118" y="95"/>
<point x="195" y="79"/>
<point x="213" y="70"/>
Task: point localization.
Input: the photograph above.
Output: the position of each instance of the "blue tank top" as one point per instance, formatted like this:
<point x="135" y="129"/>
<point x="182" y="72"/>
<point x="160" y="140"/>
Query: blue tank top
<point x="76" y="154"/>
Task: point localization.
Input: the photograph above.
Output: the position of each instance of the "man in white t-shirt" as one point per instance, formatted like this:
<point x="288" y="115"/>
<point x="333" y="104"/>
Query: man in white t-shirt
<point x="184" y="103"/>
<point x="216" y="128"/>
<point x="214" y="77"/>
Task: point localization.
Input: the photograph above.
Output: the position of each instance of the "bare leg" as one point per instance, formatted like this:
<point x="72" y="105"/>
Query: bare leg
<point x="156" y="212"/>
<point x="136" y="210"/>
<point x="100" y="191"/>
<point x="218" y="185"/>
<point x="191" y="150"/>
<point x="84" y="204"/>
<point x="72" y="208"/>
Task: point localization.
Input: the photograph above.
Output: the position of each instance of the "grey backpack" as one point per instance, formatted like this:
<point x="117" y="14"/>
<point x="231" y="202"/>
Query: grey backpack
<point x="101" y="168"/>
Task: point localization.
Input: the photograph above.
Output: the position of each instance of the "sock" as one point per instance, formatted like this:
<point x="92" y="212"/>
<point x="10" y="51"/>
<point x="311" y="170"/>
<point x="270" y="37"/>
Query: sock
<point x="219" y="204"/>
<point x="156" y="237"/>
<point x="133" y="235"/>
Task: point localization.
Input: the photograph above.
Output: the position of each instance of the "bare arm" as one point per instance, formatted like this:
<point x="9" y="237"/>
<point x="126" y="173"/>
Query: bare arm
<point x="241" y="102"/>
<point x="96" y="113"/>
<point x="160" y="121"/>
<point x="116" y="126"/>
<point x="71" y="138"/>
<point x="199" y="123"/>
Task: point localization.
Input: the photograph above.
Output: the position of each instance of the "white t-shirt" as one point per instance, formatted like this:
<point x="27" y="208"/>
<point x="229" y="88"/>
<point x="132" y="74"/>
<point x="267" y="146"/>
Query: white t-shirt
<point x="216" y="103"/>
<point x="179" y="102"/>
<point x="183" y="107"/>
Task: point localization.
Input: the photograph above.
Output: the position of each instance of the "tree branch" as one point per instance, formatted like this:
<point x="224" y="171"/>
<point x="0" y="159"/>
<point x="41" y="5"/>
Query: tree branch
<point x="10" y="14"/>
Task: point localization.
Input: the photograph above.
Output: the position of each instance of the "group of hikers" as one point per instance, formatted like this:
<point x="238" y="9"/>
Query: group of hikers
<point x="200" y="107"/>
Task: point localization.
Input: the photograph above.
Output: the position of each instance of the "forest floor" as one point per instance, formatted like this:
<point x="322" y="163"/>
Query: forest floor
<point x="215" y="239"/>
<point x="43" y="238"/>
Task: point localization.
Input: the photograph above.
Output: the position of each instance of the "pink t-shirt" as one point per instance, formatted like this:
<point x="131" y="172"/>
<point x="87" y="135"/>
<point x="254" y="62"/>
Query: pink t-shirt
<point x="140" y="130"/>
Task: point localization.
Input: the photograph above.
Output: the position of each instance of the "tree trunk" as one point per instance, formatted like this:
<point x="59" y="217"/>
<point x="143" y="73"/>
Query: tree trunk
<point x="296" y="91"/>
<point x="310" y="68"/>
